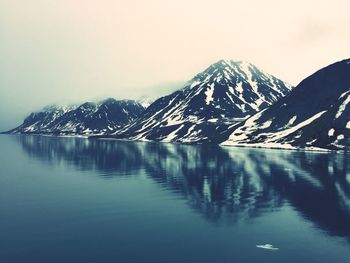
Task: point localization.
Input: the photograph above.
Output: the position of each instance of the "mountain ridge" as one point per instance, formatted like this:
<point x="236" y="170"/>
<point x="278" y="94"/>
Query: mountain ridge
<point x="229" y="103"/>
<point x="84" y="119"/>
<point x="225" y="92"/>
<point x="313" y="115"/>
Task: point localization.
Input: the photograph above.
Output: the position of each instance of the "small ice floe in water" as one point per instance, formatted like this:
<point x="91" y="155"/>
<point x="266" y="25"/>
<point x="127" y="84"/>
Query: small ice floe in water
<point x="267" y="246"/>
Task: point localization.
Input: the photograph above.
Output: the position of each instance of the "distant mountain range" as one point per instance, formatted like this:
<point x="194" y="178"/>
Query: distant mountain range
<point x="232" y="103"/>
<point x="85" y="119"/>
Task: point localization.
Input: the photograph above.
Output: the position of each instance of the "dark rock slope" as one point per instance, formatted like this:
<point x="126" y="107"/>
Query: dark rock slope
<point x="88" y="118"/>
<point x="226" y="92"/>
<point x="316" y="114"/>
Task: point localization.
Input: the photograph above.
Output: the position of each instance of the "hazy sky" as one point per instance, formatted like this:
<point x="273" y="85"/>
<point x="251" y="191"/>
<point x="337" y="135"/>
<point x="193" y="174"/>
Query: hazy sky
<point x="76" y="50"/>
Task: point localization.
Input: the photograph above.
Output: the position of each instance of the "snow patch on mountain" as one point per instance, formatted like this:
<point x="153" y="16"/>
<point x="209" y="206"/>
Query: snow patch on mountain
<point x="315" y="115"/>
<point x="86" y="119"/>
<point x="225" y="93"/>
<point x="343" y="105"/>
<point x="209" y="93"/>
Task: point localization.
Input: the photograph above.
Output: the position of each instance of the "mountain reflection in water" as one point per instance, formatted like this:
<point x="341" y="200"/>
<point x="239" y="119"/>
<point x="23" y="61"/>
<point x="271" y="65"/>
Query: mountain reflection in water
<point x="222" y="184"/>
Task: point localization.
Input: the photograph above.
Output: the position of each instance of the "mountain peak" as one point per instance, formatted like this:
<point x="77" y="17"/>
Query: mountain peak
<point x="228" y="69"/>
<point x="314" y="114"/>
<point x="246" y="86"/>
<point x="226" y="91"/>
<point x="229" y="62"/>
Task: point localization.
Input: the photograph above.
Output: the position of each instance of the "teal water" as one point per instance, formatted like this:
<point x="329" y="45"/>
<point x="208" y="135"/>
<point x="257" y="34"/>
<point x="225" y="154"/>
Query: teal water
<point x="79" y="200"/>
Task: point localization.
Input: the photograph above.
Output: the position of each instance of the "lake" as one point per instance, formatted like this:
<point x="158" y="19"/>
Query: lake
<point x="79" y="200"/>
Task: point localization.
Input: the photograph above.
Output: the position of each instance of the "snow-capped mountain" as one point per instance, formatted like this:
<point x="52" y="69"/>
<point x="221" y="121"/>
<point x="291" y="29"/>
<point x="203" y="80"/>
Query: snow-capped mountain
<point x="225" y="92"/>
<point x="146" y="101"/>
<point x="316" y="114"/>
<point x="88" y="118"/>
<point x="36" y="121"/>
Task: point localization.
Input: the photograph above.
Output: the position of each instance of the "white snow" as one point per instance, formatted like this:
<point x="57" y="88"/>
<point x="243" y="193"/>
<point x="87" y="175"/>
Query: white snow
<point x="241" y="133"/>
<point x="172" y="135"/>
<point x="331" y="132"/>
<point x="195" y="83"/>
<point x="266" y="124"/>
<point x="340" y="137"/>
<point x="291" y="121"/>
<point x="192" y="136"/>
<point x="174" y="121"/>
<point x="213" y="120"/>
<point x="348" y="125"/>
<point x="146" y="101"/>
<point x="209" y="93"/>
<point x="87" y="130"/>
<point x="239" y="136"/>
<point x="245" y="67"/>
<point x="281" y="134"/>
<point x="342" y="106"/>
<point x="190" y="130"/>
<point x="239" y="87"/>
<point x="218" y="78"/>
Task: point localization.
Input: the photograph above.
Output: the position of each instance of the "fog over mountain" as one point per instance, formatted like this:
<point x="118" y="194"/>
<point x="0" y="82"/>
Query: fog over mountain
<point x="77" y="51"/>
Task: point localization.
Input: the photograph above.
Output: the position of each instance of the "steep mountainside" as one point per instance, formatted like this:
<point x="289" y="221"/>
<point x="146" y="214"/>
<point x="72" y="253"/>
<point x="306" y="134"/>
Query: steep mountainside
<point x="226" y="92"/>
<point x="88" y="118"/>
<point x="316" y="114"/>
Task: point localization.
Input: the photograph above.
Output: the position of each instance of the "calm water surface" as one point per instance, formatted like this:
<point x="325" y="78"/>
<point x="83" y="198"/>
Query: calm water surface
<point x="78" y="200"/>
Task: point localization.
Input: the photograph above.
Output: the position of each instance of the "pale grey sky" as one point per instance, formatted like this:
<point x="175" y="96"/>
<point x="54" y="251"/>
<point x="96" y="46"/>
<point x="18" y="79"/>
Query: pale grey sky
<point x="77" y="50"/>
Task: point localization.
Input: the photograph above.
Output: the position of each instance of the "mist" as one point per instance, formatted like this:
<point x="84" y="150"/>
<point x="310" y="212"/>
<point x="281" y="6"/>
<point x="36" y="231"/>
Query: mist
<point x="70" y="51"/>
